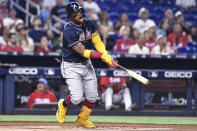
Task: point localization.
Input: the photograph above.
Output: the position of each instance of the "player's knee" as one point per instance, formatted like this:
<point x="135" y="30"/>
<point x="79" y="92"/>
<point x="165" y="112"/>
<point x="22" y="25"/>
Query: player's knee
<point x="92" y="98"/>
<point x="109" y="90"/>
<point x="76" y="100"/>
<point x="126" y="89"/>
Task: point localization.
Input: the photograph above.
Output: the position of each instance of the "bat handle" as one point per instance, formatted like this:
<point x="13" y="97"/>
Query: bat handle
<point x="115" y="64"/>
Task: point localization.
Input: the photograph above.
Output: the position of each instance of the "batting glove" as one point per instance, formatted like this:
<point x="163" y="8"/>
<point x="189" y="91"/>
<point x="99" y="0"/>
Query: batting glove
<point x="106" y="58"/>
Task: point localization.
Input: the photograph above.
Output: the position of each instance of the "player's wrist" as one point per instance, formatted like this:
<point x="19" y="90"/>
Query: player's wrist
<point x="87" y="53"/>
<point x="92" y="54"/>
<point x="96" y="55"/>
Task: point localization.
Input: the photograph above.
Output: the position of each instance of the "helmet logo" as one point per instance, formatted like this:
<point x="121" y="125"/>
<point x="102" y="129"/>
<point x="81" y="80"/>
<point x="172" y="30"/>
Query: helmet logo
<point x="74" y="6"/>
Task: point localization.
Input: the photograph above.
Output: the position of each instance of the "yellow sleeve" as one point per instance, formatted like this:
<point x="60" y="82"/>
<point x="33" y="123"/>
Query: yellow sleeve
<point x="98" y="44"/>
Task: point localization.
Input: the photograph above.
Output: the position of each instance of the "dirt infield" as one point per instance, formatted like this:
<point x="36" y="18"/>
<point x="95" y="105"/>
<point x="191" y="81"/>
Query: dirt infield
<point x="29" y="126"/>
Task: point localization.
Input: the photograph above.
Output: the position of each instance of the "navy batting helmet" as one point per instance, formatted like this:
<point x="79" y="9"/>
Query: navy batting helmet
<point x="73" y="7"/>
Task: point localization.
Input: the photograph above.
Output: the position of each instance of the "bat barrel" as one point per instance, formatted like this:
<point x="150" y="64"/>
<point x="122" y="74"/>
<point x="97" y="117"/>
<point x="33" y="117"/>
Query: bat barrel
<point x="133" y="74"/>
<point x="138" y="77"/>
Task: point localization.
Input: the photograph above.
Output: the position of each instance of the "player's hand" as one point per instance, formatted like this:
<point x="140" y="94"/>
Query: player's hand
<point x="106" y="58"/>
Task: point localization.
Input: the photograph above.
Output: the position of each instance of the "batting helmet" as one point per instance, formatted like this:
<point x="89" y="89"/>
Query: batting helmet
<point x="73" y="7"/>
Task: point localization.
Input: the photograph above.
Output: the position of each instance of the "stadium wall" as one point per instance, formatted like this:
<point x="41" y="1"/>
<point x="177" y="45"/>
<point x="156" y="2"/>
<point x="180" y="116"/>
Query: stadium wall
<point x="138" y="90"/>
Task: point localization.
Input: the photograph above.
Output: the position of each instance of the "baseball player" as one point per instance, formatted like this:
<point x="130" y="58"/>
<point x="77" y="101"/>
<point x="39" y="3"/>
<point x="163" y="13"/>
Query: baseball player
<point x="114" y="90"/>
<point x="76" y="66"/>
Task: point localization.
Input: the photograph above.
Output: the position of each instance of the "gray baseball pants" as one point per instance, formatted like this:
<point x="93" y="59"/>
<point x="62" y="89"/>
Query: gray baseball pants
<point x="81" y="81"/>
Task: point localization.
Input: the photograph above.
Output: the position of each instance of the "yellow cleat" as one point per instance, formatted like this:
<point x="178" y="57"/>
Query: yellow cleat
<point x="82" y="118"/>
<point x="61" y="112"/>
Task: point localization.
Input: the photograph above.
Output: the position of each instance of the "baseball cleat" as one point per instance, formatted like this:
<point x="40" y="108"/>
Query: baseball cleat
<point x="84" y="123"/>
<point x="61" y="112"/>
<point x="82" y="118"/>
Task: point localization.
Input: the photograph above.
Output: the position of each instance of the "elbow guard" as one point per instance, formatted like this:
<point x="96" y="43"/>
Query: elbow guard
<point x="99" y="45"/>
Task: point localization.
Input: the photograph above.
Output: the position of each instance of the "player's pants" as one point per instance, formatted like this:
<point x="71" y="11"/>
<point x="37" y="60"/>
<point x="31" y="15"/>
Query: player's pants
<point x="81" y="80"/>
<point x="108" y="97"/>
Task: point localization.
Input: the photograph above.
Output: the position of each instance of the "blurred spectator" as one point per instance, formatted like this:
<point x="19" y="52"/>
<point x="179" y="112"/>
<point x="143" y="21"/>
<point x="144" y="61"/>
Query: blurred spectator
<point x="115" y="91"/>
<point x="150" y="37"/>
<point x="80" y="2"/>
<point x="43" y="46"/>
<point x="123" y="44"/>
<point x="123" y="20"/>
<point x="46" y="10"/>
<point x="105" y="26"/>
<point x="48" y="4"/>
<point x="139" y="47"/>
<point x="170" y="18"/>
<point x="134" y="33"/>
<point x="45" y="14"/>
<point x="41" y="95"/>
<point x="143" y="23"/>
<point x="177" y="38"/>
<point x="24" y="40"/>
<point x="59" y="10"/>
<point x="104" y="21"/>
<point x="91" y="5"/>
<point x="153" y="29"/>
<point x="163" y="28"/>
<point x="39" y="30"/>
<point x="1" y="26"/>
<point x="90" y="15"/>
<point x="3" y="9"/>
<point x="4" y="39"/>
<point x="186" y="4"/>
<point x="11" y="20"/>
<point x="12" y="46"/>
<point x="181" y="21"/>
<point x="192" y="37"/>
<point x="161" y="48"/>
<point x="58" y="47"/>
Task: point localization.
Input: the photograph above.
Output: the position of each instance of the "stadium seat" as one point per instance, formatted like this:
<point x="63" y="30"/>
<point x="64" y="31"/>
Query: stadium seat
<point x="192" y="51"/>
<point x="182" y="50"/>
<point x="190" y="44"/>
<point x="114" y="16"/>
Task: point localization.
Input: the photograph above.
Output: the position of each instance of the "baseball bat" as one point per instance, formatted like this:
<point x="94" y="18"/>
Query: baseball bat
<point x="131" y="73"/>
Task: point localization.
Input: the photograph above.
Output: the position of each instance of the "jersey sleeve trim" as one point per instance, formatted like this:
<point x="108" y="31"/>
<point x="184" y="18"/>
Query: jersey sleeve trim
<point x="74" y="44"/>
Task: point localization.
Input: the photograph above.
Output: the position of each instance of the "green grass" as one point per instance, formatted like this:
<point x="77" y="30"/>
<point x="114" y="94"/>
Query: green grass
<point x="104" y="119"/>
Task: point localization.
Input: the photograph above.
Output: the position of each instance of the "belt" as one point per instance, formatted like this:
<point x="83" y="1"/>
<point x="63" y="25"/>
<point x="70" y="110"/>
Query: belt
<point x="77" y="62"/>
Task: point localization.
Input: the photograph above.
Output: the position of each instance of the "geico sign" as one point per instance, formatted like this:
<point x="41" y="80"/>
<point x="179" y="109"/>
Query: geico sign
<point x="23" y="71"/>
<point x="119" y="73"/>
<point x="123" y="73"/>
<point x="175" y="74"/>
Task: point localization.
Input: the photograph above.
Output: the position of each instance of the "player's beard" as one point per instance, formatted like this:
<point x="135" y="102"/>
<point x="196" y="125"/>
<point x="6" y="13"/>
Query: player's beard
<point x="79" y="21"/>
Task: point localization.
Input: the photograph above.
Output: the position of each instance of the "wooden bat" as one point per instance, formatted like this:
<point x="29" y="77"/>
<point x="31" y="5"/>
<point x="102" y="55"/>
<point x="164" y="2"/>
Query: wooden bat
<point x="133" y="74"/>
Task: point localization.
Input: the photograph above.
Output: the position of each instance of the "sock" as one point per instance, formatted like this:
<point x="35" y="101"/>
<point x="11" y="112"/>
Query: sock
<point x="65" y="103"/>
<point x="88" y="104"/>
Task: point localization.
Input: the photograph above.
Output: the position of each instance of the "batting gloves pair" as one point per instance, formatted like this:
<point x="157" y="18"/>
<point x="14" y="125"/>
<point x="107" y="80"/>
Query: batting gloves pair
<point x="106" y="58"/>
